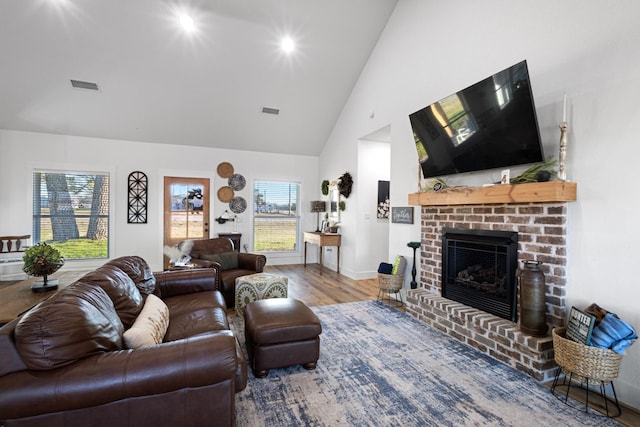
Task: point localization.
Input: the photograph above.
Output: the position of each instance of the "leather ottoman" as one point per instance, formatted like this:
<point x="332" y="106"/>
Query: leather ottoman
<point x="281" y="332"/>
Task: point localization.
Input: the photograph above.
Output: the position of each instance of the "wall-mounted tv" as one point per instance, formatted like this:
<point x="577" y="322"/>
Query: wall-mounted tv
<point x="491" y="124"/>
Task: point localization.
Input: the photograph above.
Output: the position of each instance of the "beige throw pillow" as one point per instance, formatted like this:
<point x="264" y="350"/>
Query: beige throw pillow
<point x="150" y="326"/>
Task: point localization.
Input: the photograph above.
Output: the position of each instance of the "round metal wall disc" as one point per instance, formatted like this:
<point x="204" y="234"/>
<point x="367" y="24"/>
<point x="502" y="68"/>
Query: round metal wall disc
<point x="237" y="182"/>
<point x="238" y="205"/>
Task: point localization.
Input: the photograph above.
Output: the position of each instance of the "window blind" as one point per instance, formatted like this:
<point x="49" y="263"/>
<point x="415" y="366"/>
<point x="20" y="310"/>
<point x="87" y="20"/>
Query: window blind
<point x="71" y="212"/>
<point x="275" y="219"/>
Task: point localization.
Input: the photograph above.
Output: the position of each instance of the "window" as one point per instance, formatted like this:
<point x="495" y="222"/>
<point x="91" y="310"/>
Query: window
<point x="275" y="216"/>
<point x="454" y="119"/>
<point x="71" y="213"/>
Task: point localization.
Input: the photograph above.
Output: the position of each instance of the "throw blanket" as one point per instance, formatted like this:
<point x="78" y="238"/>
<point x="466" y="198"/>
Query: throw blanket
<point x="613" y="333"/>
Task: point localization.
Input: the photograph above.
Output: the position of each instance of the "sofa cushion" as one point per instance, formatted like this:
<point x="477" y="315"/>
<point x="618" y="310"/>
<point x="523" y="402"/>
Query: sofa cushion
<point x="195" y="323"/>
<point x="150" y="326"/>
<point x="195" y="314"/>
<point x="138" y="270"/>
<point x="227" y="260"/>
<point x="123" y="292"/>
<point x="74" y="323"/>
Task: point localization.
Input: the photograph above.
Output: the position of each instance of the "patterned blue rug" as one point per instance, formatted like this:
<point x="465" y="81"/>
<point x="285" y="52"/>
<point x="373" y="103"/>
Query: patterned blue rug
<point x="381" y="367"/>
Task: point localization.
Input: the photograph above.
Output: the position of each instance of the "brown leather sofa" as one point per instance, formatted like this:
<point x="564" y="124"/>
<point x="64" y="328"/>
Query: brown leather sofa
<point x="64" y="362"/>
<point x="220" y="253"/>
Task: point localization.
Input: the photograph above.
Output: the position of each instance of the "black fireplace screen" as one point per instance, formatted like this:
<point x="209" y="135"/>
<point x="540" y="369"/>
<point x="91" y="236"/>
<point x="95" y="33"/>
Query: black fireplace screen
<point x="479" y="269"/>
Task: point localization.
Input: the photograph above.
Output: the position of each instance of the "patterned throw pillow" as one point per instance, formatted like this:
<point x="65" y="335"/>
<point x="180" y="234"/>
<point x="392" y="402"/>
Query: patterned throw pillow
<point x="150" y="326"/>
<point x="398" y="265"/>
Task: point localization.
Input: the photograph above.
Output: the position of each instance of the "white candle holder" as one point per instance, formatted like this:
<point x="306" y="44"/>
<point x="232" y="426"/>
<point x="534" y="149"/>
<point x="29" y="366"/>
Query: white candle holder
<point x="564" y="127"/>
<point x="562" y="158"/>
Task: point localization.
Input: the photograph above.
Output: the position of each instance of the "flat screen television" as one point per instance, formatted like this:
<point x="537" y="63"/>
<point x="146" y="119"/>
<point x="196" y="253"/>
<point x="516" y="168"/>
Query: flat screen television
<point x="491" y="124"/>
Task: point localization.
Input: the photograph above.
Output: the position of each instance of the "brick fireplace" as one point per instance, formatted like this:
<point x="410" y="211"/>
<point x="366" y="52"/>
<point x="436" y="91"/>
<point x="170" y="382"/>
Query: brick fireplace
<point x="541" y="223"/>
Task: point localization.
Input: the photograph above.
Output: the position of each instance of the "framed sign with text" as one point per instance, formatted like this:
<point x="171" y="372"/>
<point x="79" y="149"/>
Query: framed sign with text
<point x="402" y="215"/>
<point x="580" y="326"/>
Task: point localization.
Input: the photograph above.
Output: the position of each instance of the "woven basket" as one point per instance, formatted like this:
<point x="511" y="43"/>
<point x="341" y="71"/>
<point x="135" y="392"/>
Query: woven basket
<point x="390" y="282"/>
<point x="583" y="361"/>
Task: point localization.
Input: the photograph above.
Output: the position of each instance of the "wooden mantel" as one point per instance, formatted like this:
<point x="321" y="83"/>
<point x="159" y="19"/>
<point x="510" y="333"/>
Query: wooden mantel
<point x="536" y="192"/>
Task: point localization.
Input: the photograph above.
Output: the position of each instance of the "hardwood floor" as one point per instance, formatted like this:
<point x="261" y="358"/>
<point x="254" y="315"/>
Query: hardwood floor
<point x="313" y="288"/>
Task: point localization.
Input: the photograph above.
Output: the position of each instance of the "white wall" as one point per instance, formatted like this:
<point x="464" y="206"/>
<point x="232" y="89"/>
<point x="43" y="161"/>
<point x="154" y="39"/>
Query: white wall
<point x="586" y="48"/>
<point x="20" y="152"/>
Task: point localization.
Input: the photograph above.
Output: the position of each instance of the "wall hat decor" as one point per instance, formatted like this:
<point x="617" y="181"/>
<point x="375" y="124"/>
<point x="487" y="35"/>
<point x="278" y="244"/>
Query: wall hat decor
<point x="225" y="170"/>
<point x="225" y="194"/>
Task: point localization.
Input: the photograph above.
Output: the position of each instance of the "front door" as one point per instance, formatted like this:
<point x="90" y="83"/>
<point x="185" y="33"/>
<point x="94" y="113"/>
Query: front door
<point x="186" y="210"/>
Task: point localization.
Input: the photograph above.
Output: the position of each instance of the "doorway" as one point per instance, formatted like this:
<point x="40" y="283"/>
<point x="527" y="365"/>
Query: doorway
<point x="374" y="165"/>
<point x="186" y="210"/>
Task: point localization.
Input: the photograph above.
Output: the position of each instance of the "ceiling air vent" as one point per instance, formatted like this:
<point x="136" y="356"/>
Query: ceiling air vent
<point x="269" y="110"/>
<point x="79" y="84"/>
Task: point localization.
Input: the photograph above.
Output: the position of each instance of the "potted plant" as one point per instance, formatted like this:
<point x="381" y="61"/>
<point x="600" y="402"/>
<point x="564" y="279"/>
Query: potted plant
<point x="42" y="260"/>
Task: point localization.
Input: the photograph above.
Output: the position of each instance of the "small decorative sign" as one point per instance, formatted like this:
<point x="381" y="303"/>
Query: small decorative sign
<point x="580" y="326"/>
<point x="402" y="215"/>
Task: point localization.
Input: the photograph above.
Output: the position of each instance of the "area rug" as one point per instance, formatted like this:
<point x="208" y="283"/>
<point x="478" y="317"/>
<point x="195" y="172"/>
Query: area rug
<point x="381" y="367"/>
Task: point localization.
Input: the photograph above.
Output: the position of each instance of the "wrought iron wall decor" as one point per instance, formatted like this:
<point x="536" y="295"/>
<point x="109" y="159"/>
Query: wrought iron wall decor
<point x="137" y="198"/>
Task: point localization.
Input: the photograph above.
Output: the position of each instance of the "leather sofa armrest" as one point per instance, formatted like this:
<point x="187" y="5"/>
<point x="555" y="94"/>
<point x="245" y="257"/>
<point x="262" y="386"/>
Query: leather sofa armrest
<point x="203" y="263"/>
<point x="251" y="261"/>
<point x="179" y="282"/>
<point x="111" y="376"/>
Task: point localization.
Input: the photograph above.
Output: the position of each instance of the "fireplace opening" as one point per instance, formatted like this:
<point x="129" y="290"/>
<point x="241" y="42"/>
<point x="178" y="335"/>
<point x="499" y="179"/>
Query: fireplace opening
<point x="479" y="269"/>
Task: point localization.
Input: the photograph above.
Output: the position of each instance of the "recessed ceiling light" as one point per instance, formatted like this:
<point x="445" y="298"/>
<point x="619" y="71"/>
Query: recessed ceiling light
<point x="187" y="22"/>
<point x="287" y="45"/>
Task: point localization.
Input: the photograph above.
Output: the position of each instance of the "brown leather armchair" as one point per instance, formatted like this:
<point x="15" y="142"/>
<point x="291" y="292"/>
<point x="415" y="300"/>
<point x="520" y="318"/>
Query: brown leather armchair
<point x="230" y="264"/>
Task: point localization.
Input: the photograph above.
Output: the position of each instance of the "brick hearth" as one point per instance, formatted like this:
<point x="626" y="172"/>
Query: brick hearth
<point x="541" y="231"/>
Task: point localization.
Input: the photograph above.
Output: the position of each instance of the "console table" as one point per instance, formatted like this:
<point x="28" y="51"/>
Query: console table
<point x="235" y="238"/>
<point x="322" y="239"/>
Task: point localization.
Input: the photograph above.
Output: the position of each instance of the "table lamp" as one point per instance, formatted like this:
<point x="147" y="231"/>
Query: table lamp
<point x="318" y="206"/>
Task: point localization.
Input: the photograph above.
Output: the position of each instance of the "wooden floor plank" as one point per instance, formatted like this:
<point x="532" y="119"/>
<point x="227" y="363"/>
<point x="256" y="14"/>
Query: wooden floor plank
<point x="314" y="288"/>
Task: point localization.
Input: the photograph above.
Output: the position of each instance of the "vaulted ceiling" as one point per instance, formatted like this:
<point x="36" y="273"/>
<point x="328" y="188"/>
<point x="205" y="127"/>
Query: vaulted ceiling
<point x="158" y="82"/>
